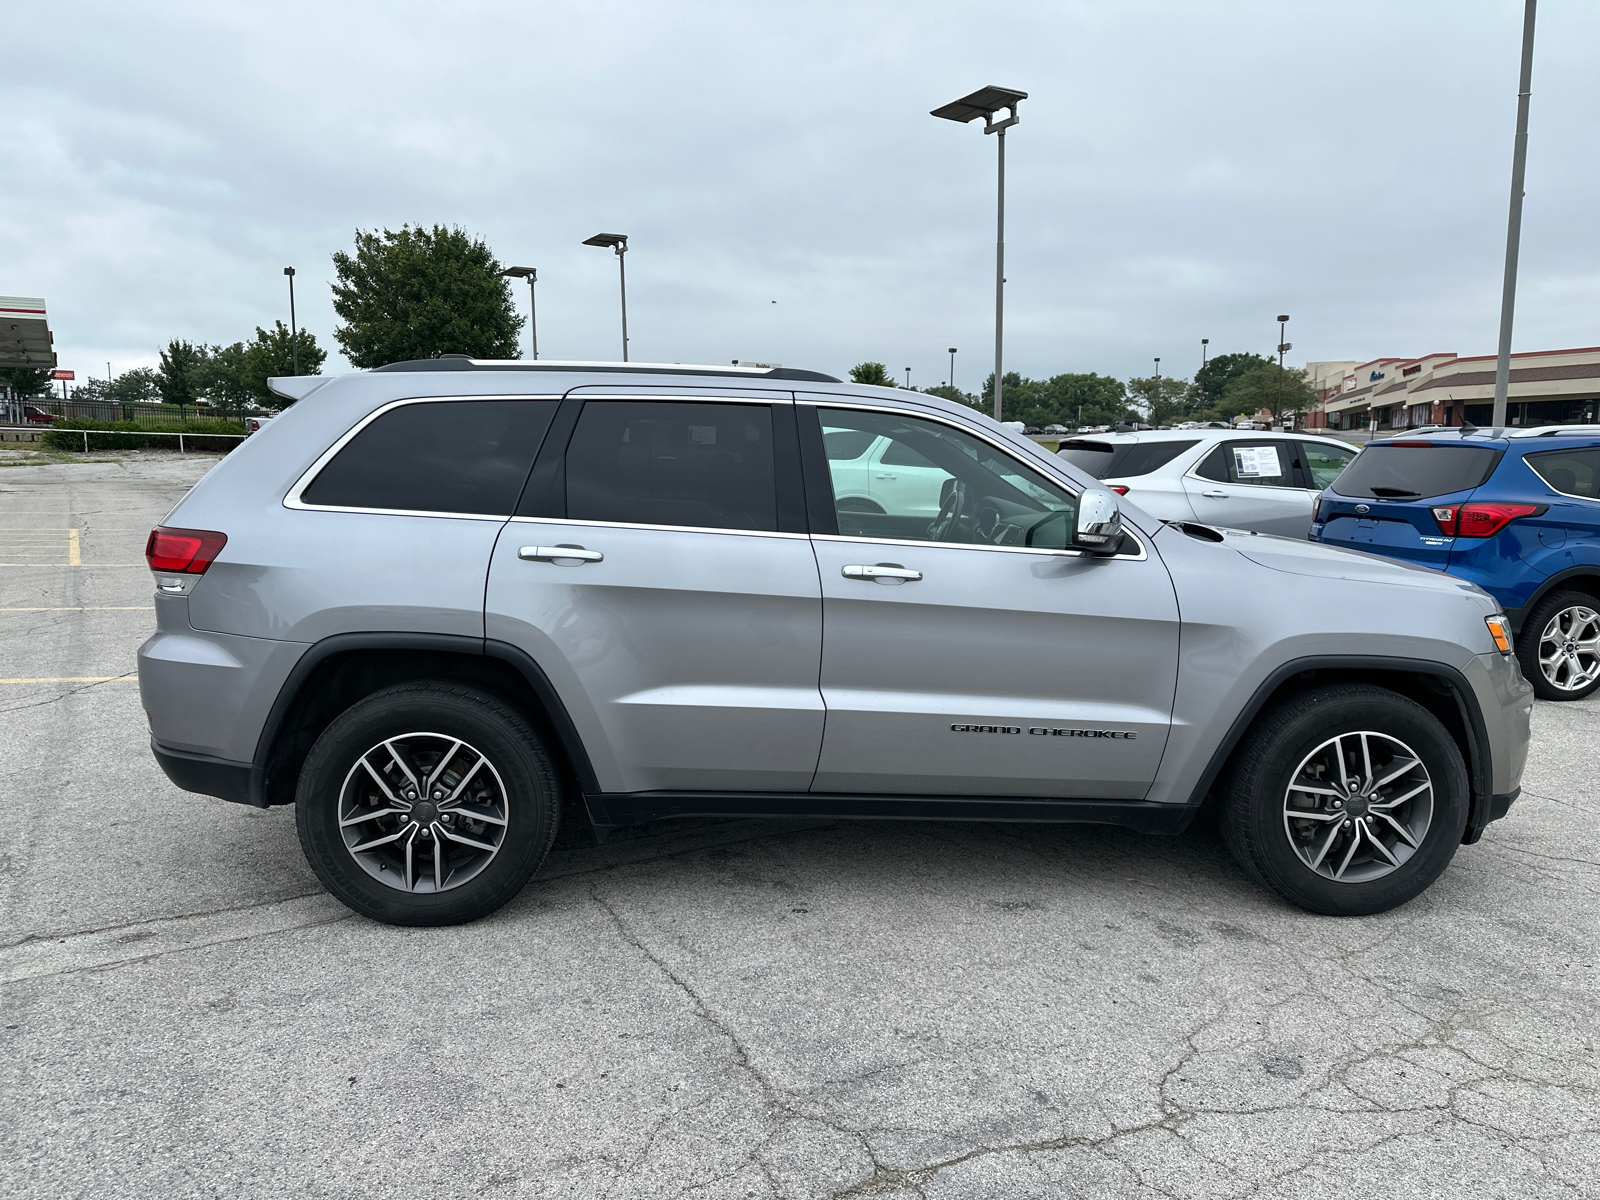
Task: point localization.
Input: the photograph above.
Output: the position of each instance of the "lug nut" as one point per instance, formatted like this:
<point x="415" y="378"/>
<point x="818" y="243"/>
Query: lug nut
<point x="438" y="795"/>
<point x="1338" y="803"/>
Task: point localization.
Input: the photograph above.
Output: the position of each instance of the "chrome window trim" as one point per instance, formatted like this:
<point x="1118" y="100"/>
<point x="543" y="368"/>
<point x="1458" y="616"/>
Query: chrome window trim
<point x="914" y="542"/>
<point x="670" y="398"/>
<point x="722" y="529"/>
<point x="292" y="498"/>
<point x="1539" y="475"/>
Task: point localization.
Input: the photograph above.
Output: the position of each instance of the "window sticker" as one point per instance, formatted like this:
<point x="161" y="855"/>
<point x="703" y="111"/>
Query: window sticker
<point x="702" y="435"/>
<point x="1256" y="462"/>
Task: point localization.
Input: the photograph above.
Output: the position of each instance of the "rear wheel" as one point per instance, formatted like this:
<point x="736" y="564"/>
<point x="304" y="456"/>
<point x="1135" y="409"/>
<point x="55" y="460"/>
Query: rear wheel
<point x="1346" y="800"/>
<point x="427" y="804"/>
<point x="1559" y="646"/>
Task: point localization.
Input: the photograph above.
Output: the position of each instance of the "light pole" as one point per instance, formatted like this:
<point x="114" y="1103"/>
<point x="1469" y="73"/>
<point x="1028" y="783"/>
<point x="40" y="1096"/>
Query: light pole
<point x="952" y="368"/>
<point x="1204" y="342"/>
<point x="1283" y="348"/>
<point x="986" y="103"/>
<point x="532" y="276"/>
<point x="908" y="379"/>
<point x="294" y="336"/>
<point x="619" y="243"/>
<point x="1519" y="163"/>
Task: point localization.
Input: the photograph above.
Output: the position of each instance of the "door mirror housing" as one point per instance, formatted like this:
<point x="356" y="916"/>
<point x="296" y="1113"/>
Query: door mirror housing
<point x="1098" y="525"/>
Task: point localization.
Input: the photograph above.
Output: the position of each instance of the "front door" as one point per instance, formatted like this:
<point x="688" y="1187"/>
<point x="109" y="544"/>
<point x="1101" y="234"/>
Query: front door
<point x="683" y="630"/>
<point x="968" y="652"/>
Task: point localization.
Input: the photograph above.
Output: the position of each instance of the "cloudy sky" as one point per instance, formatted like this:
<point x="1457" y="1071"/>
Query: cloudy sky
<point x="1182" y="170"/>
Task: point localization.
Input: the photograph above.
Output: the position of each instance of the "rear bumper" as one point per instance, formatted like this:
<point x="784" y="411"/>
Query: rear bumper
<point x="206" y="775"/>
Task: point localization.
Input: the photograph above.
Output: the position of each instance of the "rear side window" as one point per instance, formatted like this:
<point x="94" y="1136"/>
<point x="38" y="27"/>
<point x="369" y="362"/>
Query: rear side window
<point x="665" y="463"/>
<point x="1121" y="460"/>
<point x="457" y="456"/>
<point x="1575" y="472"/>
<point x="1408" y="472"/>
<point x="1325" y="462"/>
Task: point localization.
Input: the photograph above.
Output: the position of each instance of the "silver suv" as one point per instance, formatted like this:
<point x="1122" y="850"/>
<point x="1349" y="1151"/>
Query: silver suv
<point x="442" y="605"/>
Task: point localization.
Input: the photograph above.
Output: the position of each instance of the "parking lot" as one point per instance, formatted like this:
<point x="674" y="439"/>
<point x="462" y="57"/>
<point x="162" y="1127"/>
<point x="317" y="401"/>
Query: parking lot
<point x="739" y="1009"/>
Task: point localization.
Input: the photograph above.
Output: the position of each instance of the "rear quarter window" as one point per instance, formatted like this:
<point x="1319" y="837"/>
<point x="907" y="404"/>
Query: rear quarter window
<point x="455" y="456"/>
<point x="1122" y="460"/>
<point x="1575" y="472"/>
<point x="1416" y="472"/>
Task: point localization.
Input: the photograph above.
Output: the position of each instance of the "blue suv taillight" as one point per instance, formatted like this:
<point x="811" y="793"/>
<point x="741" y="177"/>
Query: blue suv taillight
<point x="1481" y="518"/>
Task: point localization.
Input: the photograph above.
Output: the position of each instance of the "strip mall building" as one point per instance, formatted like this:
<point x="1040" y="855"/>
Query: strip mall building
<point x="1548" y="387"/>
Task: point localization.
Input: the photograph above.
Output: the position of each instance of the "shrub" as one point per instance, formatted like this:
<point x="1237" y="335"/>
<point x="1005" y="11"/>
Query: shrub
<point x="133" y="435"/>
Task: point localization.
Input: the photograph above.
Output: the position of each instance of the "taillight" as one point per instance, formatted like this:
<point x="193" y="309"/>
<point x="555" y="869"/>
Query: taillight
<point x="1316" y="507"/>
<point x="1480" y="519"/>
<point x="185" y="551"/>
<point x="1118" y="488"/>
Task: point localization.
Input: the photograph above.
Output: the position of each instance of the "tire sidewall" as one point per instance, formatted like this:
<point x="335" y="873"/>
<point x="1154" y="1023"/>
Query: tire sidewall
<point x="489" y="726"/>
<point x="1262" y="788"/>
<point x="1528" y="645"/>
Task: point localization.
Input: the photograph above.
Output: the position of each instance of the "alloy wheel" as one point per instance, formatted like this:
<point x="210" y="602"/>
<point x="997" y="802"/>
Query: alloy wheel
<point x="423" y="812"/>
<point x="1358" y="806"/>
<point x="1569" y="648"/>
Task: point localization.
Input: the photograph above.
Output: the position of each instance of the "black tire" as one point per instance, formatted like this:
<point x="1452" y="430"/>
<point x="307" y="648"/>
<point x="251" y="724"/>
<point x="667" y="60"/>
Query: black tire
<point x="1528" y="640"/>
<point x="521" y="785"/>
<point x="1256" y="827"/>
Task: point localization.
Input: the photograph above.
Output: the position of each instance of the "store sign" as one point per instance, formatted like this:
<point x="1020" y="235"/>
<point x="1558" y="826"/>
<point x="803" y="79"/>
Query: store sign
<point x="60" y="374"/>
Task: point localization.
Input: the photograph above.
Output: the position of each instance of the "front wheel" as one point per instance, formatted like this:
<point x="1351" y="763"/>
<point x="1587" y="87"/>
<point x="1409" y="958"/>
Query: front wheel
<point x="427" y="804"/>
<point x="1346" y="800"/>
<point x="1559" y="646"/>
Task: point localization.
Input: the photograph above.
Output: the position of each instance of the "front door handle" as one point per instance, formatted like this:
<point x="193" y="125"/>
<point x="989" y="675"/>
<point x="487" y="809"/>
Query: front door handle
<point x="885" y="475"/>
<point x="890" y="573"/>
<point x="1213" y="494"/>
<point x="563" y="556"/>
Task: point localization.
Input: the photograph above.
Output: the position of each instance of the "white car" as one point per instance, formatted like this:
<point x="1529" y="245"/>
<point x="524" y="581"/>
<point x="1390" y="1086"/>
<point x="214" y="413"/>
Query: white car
<point x="877" y="474"/>
<point x="1234" y="478"/>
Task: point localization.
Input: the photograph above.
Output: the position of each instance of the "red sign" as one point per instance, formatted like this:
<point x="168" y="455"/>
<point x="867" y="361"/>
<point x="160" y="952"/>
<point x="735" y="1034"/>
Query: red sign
<point x="64" y="375"/>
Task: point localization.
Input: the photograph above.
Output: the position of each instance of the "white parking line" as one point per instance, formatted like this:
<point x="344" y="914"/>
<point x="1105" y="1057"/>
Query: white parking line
<point x="90" y="608"/>
<point x="79" y="679"/>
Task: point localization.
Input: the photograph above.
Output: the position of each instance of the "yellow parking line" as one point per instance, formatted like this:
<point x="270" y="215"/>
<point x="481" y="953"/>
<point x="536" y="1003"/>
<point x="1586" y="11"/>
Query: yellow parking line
<point x="72" y="549"/>
<point x="78" y="679"/>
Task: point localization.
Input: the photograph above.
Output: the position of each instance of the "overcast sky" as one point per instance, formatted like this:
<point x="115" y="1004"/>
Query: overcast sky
<point x="1182" y="170"/>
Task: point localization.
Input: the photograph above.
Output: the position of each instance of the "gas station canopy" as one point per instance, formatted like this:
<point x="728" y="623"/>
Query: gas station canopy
<point x="25" y="338"/>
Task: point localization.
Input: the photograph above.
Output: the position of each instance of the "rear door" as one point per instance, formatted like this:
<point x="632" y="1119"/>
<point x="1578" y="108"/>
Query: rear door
<point x="684" y="629"/>
<point x="1252" y="483"/>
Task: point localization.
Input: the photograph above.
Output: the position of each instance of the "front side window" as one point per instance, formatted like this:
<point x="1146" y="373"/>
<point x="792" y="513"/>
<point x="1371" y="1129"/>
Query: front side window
<point x="1250" y="463"/>
<point x="934" y="483"/>
<point x="1325" y="462"/>
<point x="1575" y="472"/>
<point x="642" y="462"/>
<point x="457" y="456"/>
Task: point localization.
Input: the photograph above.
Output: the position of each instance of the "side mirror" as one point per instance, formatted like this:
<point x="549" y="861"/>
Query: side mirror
<point x="1098" y="526"/>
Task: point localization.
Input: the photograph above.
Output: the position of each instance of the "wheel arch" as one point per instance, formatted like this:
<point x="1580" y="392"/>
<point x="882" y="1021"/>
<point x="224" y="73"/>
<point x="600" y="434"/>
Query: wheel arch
<point x="1584" y="578"/>
<point x="1438" y="687"/>
<point x="338" y="671"/>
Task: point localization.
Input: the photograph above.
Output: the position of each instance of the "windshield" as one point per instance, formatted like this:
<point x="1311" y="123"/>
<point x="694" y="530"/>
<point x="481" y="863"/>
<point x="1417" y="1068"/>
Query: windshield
<point x="1120" y="460"/>
<point x="1416" y="470"/>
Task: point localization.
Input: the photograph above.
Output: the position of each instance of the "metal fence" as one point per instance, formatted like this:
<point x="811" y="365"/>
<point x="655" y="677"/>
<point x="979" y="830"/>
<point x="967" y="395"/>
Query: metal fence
<point x="143" y="416"/>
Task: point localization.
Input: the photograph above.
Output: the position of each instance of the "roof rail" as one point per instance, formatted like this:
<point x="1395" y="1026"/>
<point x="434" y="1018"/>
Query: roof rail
<point x="461" y="362"/>
<point x="1556" y="430"/>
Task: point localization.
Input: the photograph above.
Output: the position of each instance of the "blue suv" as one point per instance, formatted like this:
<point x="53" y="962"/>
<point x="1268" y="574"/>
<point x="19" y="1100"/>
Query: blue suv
<point x="1515" y="511"/>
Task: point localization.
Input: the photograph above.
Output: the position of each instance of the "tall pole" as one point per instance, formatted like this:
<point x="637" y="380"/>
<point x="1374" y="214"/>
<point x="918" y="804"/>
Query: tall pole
<point x="1204" y="342"/>
<point x="533" y="316"/>
<point x="1000" y="276"/>
<point x="1519" y="162"/>
<point x="294" y="331"/>
<point x="952" y="368"/>
<point x="622" y="276"/>
<point x="908" y="379"/>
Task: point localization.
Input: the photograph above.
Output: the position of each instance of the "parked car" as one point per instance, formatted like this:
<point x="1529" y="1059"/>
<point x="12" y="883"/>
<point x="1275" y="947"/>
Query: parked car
<point x="451" y="604"/>
<point x="256" y="424"/>
<point x="1515" y="511"/>
<point x="1055" y="429"/>
<point x="38" y="416"/>
<point x="1264" y="482"/>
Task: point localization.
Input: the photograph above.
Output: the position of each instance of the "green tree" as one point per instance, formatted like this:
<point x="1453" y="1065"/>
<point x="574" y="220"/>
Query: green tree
<point x="1211" y="381"/>
<point x="218" y="376"/>
<point x="269" y="354"/>
<point x="175" y="377"/>
<point x="873" y="373"/>
<point x="1278" y="390"/>
<point x="1163" y="398"/>
<point x="141" y="385"/>
<point x="945" y="392"/>
<point x="1075" y="399"/>
<point x="420" y="293"/>
<point x="26" y="381"/>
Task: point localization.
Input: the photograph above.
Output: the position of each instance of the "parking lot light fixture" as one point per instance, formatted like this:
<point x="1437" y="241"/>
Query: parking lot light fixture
<point x="294" y="338"/>
<point x="988" y="103"/>
<point x="1204" y="342"/>
<point x="952" y="368"/>
<point x="532" y="276"/>
<point x="619" y="243"/>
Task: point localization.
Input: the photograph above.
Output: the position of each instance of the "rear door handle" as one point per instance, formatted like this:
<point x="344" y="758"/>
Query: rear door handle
<point x="892" y="573"/>
<point x="1215" y="495"/>
<point x="565" y="556"/>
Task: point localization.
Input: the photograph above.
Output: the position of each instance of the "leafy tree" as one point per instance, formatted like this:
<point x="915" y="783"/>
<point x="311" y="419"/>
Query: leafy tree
<point x="1211" y="381"/>
<point x="946" y="392"/>
<point x="178" y="362"/>
<point x="420" y="293"/>
<point x="141" y="385"/>
<point x="1163" y="398"/>
<point x="218" y="376"/>
<point x="268" y="354"/>
<point x="1278" y="390"/>
<point x="26" y="381"/>
<point x="1067" y="399"/>
<point x="874" y="373"/>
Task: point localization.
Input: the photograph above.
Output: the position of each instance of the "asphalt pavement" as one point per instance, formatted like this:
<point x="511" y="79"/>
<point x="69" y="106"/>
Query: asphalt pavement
<point x="743" y="1008"/>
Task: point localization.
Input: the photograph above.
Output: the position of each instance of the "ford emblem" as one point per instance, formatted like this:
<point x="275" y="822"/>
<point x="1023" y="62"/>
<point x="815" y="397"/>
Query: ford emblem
<point x="1362" y="508"/>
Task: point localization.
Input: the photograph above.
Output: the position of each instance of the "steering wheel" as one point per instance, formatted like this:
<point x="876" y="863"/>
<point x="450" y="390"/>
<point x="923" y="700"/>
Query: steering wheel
<point x="952" y="509"/>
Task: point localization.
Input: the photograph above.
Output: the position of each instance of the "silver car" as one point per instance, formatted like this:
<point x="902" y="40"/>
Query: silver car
<point x="1238" y="479"/>
<point x="442" y="606"/>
